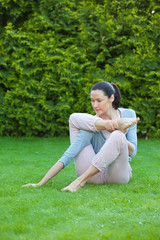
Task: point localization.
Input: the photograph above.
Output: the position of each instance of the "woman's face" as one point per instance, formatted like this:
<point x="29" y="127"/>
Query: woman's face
<point x="101" y="103"/>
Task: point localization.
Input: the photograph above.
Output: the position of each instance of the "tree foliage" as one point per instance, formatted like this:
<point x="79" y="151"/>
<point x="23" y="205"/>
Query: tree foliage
<point x="52" y="52"/>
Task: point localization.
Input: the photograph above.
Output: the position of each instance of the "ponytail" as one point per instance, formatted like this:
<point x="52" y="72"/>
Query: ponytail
<point x="117" y="96"/>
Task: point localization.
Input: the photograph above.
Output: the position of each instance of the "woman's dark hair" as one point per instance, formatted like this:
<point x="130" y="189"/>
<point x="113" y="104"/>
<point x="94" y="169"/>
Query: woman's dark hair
<point x="109" y="89"/>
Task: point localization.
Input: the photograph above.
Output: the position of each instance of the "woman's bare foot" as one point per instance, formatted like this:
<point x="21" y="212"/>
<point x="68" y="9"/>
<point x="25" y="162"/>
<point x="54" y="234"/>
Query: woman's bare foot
<point x="124" y="123"/>
<point x="81" y="181"/>
<point x="74" y="186"/>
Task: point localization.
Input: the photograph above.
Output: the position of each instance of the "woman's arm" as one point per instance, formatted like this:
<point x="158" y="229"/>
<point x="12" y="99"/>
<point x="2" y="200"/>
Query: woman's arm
<point x="130" y="148"/>
<point x="82" y="140"/>
<point x="131" y="136"/>
<point x="88" y="122"/>
<point x="83" y="121"/>
<point x="57" y="167"/>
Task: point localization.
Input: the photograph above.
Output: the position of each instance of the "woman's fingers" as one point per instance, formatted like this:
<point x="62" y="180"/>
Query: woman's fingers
<point x="30" y="185"/>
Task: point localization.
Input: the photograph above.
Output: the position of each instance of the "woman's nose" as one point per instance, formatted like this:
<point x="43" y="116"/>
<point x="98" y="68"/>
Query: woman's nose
<point x="95" y="104"/>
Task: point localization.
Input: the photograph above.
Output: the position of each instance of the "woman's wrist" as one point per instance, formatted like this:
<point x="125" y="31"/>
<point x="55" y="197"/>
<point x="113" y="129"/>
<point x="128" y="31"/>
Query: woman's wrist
<point x="109" y="125"/>
<point x="38" y="184"/>
<point x="100" y="124"/>
<point x="115" y="124"/>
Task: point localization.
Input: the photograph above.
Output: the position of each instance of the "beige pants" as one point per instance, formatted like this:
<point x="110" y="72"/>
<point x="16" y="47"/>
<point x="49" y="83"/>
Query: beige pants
<point x="111" y="160"/>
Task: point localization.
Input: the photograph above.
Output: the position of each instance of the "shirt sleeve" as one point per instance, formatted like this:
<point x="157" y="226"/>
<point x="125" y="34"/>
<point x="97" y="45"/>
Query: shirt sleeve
<point x="86" y="124"/>
<point x="82" y="140"/>
<point x="131" y="134"/>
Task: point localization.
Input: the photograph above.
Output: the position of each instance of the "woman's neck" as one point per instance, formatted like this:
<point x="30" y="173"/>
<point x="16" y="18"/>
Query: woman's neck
<point x="111" y="115"/>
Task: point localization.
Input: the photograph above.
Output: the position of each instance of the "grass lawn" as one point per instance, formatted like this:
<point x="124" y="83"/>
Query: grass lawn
<point x="129" y="211"/>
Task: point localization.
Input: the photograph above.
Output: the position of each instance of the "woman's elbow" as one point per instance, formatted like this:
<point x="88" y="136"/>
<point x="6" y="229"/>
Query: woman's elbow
<point x="134" y="152"/>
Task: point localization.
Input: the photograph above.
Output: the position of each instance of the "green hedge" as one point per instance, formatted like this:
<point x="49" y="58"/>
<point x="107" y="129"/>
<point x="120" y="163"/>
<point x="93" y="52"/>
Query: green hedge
<point x="52" y="52"/>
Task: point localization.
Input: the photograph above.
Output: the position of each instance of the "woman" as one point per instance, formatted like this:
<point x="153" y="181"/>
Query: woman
<point x="101" y="145"/>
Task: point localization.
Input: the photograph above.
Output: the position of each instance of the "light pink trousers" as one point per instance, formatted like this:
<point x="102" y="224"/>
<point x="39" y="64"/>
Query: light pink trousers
<point x="111" y="160"/>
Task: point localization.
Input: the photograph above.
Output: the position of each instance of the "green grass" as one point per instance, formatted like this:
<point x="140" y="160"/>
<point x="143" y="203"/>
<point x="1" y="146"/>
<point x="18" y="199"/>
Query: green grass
<point x="130" y="211"/>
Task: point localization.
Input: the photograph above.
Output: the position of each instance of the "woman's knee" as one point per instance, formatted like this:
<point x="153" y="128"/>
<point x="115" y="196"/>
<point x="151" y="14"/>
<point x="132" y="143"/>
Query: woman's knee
<point x="118" y="136"/>
<point x="72" y="118"/>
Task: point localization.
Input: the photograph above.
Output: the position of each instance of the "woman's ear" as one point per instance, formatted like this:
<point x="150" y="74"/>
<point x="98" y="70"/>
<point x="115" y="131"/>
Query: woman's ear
<point x="111" y="98"/>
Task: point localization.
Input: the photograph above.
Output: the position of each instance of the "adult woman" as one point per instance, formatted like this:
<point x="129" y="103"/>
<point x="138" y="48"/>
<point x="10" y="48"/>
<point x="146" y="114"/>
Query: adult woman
<point x="98" y="143"/>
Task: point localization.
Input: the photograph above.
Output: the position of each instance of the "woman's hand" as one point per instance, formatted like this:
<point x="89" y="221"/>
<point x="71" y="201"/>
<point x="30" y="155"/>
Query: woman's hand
<point x="57" y="167"/>
<point x="30" y="185"/>
<point x="102" y="124"/>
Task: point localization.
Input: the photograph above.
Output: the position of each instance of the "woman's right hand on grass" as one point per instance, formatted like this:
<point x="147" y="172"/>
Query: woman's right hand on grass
<point x="30" y="185"/>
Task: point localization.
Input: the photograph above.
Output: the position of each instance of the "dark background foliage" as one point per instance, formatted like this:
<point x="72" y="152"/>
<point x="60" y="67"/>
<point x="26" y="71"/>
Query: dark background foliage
<point x="52" y="52"/>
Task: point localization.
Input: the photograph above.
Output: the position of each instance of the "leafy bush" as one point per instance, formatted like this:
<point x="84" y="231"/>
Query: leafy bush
<point x="52" y="52"/>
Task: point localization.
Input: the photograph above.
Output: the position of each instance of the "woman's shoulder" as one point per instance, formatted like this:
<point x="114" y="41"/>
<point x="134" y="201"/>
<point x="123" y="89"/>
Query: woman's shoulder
<point x="127" y="112"/>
